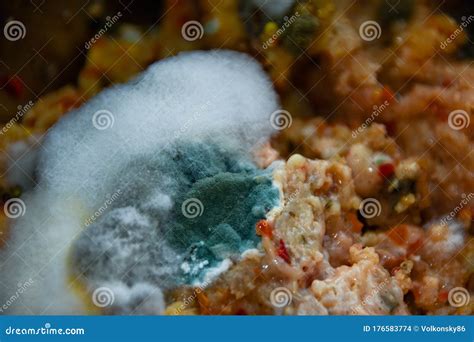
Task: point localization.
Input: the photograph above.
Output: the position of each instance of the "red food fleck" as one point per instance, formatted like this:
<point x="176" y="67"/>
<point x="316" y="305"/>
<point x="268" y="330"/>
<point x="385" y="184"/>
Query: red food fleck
<point x="399" y="234"/>
<point x="386" y="170"/>
<point x="391" y="128"/>
<point x="263" y="228"/>
<point x="395" y="270"/>
<point x="241" y="312"/>
<point x="283" y="252"/>
<point x="91" y="72"/>
<point x="443" y="296"/>
<point x="356" y="225"/>
<point x="415" y="246"/>
<point x="387" y="94"/>
<point x="13" y="85"/>
<point x="439" y="111"/>
<point x="447" y="82"/>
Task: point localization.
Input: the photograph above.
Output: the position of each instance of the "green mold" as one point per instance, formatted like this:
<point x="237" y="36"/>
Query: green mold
<point x="149" y="236"/>
<point x="230" y="197"/>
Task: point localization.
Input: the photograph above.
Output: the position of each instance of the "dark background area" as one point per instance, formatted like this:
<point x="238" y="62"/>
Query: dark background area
<point x="52" y="52"/>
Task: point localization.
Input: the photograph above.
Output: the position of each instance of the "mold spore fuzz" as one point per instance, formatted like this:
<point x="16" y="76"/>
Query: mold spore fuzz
<point x="220" y="98"/>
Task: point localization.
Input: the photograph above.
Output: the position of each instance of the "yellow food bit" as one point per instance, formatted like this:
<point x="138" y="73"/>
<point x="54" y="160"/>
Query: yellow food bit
<point x="326" y="11"/>
<point x="270" y="28"/>
<point x="47" y="111"/>
<point x="179" y="308"/>
<point x="13" y="133"/>
<point x="296" y="160"/>
<point x="404" y="203"/>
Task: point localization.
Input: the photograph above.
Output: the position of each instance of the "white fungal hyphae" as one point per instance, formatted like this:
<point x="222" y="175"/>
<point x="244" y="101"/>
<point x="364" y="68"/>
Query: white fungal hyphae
<point x="218" y="95"/>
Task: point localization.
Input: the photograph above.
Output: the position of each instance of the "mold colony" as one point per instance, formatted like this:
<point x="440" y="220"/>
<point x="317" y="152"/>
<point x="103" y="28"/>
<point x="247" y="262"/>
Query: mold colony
<point x="183" y="129"/>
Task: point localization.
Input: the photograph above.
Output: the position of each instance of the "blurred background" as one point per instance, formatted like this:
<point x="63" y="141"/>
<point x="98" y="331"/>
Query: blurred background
<point x="52" y="50"/>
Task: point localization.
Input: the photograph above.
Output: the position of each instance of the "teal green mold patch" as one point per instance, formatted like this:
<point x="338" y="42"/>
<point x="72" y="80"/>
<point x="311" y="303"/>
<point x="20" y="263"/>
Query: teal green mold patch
<point x="188" y="209"/>
<point x="214" y="217"/>
<point x="231" y="204"/>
